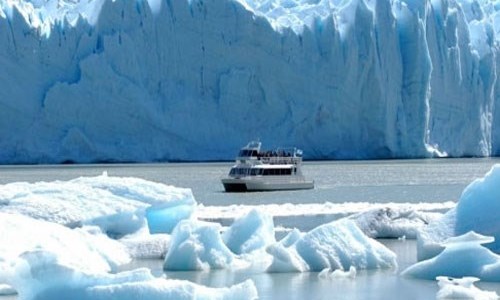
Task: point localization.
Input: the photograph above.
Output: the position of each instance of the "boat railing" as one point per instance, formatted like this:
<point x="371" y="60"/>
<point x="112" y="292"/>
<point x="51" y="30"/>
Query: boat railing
<point x="280" y="160"/>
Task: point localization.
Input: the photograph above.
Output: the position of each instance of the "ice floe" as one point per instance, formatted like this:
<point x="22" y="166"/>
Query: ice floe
<point x="337" y="245"/>
<point x="463" y="256"/>
<point x="118" y="205"/>
<point x="477" y="210"/>
<point x="85" y="228"/>
<point x="42" y="275"/>
<point x="462" y="288"/>
<point x="338" y="274"/>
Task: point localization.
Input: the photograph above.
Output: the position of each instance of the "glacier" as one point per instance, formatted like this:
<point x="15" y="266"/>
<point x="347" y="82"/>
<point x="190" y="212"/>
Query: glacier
<point x="135" y="81"/>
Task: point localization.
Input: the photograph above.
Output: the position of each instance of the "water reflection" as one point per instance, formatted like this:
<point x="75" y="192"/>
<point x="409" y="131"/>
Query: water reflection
<point x="375" y="284"/>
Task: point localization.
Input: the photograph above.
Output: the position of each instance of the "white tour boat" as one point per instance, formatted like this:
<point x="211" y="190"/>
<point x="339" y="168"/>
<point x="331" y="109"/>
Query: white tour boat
<point x="257" y="170"/>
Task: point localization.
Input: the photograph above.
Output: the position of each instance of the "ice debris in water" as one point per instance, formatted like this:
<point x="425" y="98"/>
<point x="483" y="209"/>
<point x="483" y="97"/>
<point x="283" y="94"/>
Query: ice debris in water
<point x="462" y="288"/>
<point x="338" y="274"/>
<point x="463" y="256"/>
<point x="477" y="210"/>
<point x="42" y="275"/>
<point x="118" y="205"/>
<point x="337" y="245"/>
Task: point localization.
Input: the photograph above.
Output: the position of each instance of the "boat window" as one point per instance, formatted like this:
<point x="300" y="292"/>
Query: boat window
<point x="284" y="171"/>
<point x="239" y="171"/>
<point x="248" y="153"/>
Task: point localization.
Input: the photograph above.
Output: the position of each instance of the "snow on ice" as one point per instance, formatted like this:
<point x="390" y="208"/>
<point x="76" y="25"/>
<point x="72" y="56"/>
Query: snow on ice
<point x="104" y="80"/>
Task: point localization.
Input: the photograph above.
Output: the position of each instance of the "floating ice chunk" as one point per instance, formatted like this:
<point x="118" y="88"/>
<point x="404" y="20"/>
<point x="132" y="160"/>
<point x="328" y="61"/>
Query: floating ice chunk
<point x="118" y="205"/>
<point x="338" y="274"/>
<point x="337" y="245"/>
<point x="393" y="222"/>
<point x="197" y="245"/>
<point x="469" y="237"/>
<point x="84" y="248"/>
<point x="167" y="289"/>
<point x="463" y="256"/>
<point x="341" y="244"/>
<point x="166" y="205"/>
<point x="40" y="275"/>
<point x="462" y="288"/>
<point x="252" y="232"/>
<point x="6" y="289"/>
<point x="477" y="210"/>
<point x="140" y="190"/>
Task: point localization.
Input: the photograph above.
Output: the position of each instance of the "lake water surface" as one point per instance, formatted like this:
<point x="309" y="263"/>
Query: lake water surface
<point x="337" y="182"/>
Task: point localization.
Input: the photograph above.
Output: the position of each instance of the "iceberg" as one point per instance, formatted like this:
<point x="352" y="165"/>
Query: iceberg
<point x="463" y="256"/>
<point x="118" y="205"/>
<point x="251" y="232"/>
<point x="197" y="245"/>
<point x="96" y="252"/>
<point x="86" y="249"/>
<point x="142" y="81"/>
<point x="377" y="220"/>
<point x="68" y="254"/>
<point x="476" y="211"/>
<point x="462" y="288"/>
<point x="393" y="222"/>
<point x="42" y="275"/>
<point x="337" y="245"/>
<point x="338" y="274"/>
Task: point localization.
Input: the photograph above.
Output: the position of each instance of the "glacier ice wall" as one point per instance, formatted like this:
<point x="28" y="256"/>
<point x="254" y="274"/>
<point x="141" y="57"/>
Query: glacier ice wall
<point x="120" y="80"/>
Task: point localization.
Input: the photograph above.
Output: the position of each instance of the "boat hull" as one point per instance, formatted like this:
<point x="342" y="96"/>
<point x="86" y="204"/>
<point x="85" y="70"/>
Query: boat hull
<point x="249" y="184"/>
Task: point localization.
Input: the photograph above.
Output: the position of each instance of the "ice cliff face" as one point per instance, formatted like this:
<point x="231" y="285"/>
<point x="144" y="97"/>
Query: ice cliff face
<point x="122" y="80"/>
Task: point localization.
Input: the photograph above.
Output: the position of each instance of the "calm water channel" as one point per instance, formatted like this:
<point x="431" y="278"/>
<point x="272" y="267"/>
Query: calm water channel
<point x="347" y="181"/>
